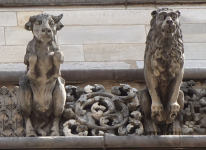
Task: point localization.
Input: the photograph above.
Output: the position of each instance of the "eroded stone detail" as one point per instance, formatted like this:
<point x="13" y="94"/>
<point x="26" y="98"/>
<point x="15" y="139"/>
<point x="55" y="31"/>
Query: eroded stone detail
<point x="162" y="101"/>
<point x="11" y="120"/>
<point x="42" y="91"/>
<point x="97" y="112"/>
<point x="194" y="113"/>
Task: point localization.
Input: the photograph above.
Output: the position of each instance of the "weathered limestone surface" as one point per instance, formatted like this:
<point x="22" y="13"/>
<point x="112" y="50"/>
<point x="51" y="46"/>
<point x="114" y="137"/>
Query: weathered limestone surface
<point x="114" y="52"/>
<point x="2" y="40"/>
<point x="73" y="52"/>
<point x="102" y="34"/>
<point x="194" y="33"/>
<point x="17" y="36"/>
<point x="23" y="17"/>
<point x="12" y="54"/>
<point x="8" y="19"/>
<point x="104" y="17"/>
<point x="91" y="2"/>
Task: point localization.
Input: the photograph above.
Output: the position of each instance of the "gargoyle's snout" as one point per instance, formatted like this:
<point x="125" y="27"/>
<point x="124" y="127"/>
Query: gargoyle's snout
<point x="169" y="20"/>
<point x="46" y="30"/>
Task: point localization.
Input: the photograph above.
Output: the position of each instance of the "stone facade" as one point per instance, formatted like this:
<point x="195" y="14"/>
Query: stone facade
<point x="111" y="33"/>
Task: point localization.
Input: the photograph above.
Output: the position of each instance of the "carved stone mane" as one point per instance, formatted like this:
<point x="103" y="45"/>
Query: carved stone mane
<point x="161" y="56"/>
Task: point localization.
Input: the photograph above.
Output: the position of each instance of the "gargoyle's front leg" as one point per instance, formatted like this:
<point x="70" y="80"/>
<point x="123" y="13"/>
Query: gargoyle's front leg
<point x="59" y="99"/>
<point x="152" y="85"/>
<point x="32" y="59"/>
<point x="58" y="59"/>
<point x="173" y="105"/>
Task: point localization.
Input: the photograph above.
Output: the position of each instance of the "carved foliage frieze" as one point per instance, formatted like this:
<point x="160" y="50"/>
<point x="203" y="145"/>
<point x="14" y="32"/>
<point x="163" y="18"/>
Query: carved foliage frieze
<point x="11" y="121"/>
<point x="194" y="113"/>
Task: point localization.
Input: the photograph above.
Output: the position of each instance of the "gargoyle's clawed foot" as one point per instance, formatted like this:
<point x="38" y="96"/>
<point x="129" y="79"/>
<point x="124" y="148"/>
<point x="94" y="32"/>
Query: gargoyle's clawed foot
<point x="151" y="128"/>
<point x="175" y="129"/>
<point x="31" y="134"/>
<point x="157" y="110"/>
<point x="58" y="58"/>
<point x="174" y="109"/>
<point x="32" y="59"/>
<point x="42" y="132"/>
<point x="55" y="133"/>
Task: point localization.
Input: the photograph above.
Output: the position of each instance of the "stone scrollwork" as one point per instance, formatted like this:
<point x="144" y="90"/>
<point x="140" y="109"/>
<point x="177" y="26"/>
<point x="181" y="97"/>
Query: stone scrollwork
<point x="11" y="120"/>
<point x="101" y="113"/>
<point x="194" y="114"/>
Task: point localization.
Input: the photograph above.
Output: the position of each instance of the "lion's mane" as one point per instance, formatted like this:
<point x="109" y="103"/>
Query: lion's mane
<point x="165" y="63"/>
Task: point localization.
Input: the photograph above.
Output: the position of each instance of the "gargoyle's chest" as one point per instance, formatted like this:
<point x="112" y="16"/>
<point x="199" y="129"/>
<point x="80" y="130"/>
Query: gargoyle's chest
<point x="44" y="63"/>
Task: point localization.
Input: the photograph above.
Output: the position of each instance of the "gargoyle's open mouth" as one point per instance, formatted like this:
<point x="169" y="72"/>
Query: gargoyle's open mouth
<point x="45" y="39"/>
<point x="168" y="33"/>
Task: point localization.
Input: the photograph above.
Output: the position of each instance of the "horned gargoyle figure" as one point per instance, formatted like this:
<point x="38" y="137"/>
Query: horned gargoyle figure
<point x="42" y="92"/>
<point x="162" y="100"/>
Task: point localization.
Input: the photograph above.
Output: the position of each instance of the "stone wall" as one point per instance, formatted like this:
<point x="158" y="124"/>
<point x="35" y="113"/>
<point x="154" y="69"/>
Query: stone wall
<point x="100" y="36"/>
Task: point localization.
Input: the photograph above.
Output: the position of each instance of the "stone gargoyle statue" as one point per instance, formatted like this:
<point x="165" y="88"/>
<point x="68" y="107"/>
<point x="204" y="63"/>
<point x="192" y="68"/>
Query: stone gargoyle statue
<point x="42" y="92"/>
<point x="162" y="100"/>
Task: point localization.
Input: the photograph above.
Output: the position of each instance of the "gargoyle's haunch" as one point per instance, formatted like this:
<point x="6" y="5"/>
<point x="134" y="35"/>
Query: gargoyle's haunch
<point x="42" y="91"/>
<point x="163" y="69"/>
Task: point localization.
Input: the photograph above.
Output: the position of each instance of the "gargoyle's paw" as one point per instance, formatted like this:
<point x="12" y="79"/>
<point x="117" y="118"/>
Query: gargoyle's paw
<point x="157" y="109"/>
<point x="31" y="134"/>
<point x="174" y="109"/>
<point x="57" y="57"/>
<point x="54" y="133"/>
<point x="32" y="59"/>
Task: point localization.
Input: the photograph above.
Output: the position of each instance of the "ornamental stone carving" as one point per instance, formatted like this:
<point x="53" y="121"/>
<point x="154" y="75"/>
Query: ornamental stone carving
<point x="97" y="112"/>
<point x="42" y="92"/>
<point x="11" y="120"/>
<point x="43" y="106"/>
<point x="162" y="100"/>
<point x="194" y="114"/>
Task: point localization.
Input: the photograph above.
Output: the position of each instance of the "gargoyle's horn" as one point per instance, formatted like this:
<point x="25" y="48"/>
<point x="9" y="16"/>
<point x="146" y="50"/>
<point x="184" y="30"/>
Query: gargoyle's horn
<point x="57" y="18"/>
<point x="32" y="19"/>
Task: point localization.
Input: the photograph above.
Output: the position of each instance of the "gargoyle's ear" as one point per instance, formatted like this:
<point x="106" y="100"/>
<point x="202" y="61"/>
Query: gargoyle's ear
<point x="178" y="13"/>
<point x="29" y="25"/>
<point x="154" y="13"/>
<point x="59" y="26"/>
<point x="57" y="18"/>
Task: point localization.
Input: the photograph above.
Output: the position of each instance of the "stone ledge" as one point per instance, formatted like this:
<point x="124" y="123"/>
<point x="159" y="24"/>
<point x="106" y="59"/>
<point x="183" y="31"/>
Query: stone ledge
<point x="100" y="71"/>
<point x="107" y="142"/>
<point x="89" y="2"/>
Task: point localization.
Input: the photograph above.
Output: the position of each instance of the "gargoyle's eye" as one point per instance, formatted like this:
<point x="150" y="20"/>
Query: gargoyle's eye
<point x="38" y="22"/>
<point x="51" y="22"/>
<point x="174" y="17"/>
<point x="161" y="17"/>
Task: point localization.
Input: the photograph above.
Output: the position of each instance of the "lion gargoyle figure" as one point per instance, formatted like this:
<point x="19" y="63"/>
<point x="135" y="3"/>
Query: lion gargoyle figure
<point x="162" y="100"/>
<point x="42" y="92"/>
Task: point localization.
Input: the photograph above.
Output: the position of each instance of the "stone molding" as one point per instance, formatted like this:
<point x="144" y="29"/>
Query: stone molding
<point x="88" y="71"/>
<point x="89" y="2"/>
<point x="105" y="142"/>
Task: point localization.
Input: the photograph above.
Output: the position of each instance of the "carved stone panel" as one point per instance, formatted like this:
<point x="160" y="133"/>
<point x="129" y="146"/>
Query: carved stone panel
<point x="97" y="112"/>
<point x="11" y="121"/>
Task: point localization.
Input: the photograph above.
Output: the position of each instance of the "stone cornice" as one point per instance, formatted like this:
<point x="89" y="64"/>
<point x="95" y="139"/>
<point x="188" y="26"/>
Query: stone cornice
<point x="100" y="71"/>
<point x="90" y="2"/>
<point x="104" y="142"/>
